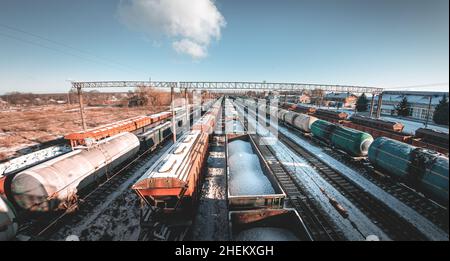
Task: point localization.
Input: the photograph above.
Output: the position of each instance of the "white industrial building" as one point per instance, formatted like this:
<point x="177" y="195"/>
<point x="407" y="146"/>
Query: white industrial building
<point x="419" y="102"/>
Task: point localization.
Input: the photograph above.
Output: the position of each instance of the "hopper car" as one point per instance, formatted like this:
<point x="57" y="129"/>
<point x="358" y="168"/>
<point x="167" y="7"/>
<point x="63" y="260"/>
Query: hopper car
<point x="268" y="225"/>
<point x="331" y="116"/>
<point x="377" y="123"/>
<point x="431" y="139"/>
<point x="176" y="177"/>
<point x="298" y="108"/>
<point x="128" y="125"/>
<point x="242" y="197"/>
<point x="173" y="182"/>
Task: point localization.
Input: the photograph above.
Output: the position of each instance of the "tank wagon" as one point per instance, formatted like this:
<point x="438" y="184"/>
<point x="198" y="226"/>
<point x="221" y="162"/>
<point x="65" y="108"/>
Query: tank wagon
<point x="8" y="222"/>
<point x="355" y="143"/>
<point x="424" y="138"/>
<point x="299" y="120"/>
<point x="420" y="168"/>
<point x="55" y="183"/>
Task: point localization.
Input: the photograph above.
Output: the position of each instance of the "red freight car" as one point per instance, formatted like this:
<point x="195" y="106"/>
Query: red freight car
<point x="175" y="178"/>
<point x="109" y="130"/>
<point x="377" y="123"/>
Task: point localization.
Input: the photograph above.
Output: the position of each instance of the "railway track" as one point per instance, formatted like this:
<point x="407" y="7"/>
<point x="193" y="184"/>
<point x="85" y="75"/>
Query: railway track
<point x="429" y="209"/>
<point x="318" y="224"/>
<point x="383" y="216"/>
<point x="44" y="227"/>
<point x="390" y="222"/>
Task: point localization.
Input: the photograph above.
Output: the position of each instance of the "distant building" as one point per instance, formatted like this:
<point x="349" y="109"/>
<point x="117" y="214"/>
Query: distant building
<point x="419" y="102"/>
<point x="345" y="99"/>
<point x="304" y="98"/>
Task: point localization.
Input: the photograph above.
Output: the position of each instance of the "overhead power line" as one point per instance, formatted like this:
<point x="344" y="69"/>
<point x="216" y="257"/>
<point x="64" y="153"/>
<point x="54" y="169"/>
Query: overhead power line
<point x="430" y="85"/>
<point x="101" y="60"/>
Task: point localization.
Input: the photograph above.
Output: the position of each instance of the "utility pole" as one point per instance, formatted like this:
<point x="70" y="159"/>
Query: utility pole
<point x="172" y="107"/>
<point x="428" y="112"/>
<point x="80" y="100"/>
<point x="186" y="106"/>
<point x="371" y="104"/>
<point x="380" y="101"/>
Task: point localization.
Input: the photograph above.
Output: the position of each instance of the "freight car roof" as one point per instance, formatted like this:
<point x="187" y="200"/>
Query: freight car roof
<point x="175" y="162"/>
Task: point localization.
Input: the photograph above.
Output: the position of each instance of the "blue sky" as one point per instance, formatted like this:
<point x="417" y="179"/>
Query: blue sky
<point x="357" y="42"/>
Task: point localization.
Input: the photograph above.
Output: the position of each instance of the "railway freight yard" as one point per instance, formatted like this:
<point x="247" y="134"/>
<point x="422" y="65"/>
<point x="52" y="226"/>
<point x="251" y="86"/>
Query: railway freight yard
<point x="227" y="166"/>
<point x="224" y="121"/>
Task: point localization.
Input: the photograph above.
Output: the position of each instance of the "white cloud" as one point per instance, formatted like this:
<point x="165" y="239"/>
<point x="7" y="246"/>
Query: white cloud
<point x="190" y="24"/>
<point x="189" y="47"/>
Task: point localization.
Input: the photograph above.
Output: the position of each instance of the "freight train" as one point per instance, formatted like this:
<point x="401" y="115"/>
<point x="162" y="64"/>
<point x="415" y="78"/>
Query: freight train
<point x="425" y="138"/>
<point x="142" y="126"/>
<point x="420" y="168"/>
<point x="135" y="124"/>
<point x="353" y="142"/>
<point x="174" y="181"/>
<point x="55" y="184"/>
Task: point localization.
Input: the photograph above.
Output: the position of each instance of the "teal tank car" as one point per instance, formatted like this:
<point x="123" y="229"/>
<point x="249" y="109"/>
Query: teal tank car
<point x="429" y="171"/>
<point x="323" y="130"/>
<point x="389" y="156"/>
<point x="420" y="168"/>
<point x="354" y="142"/>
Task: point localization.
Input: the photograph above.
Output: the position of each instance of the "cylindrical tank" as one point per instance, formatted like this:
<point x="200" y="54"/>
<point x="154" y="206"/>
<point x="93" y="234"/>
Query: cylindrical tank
<point x="51" y="184"/>
<point x="323" y="129"/>
<point x="304" y="122"/>
<point x="281" y="114"/>
<point x="289" y="117"/>
<point x="8" y="223"/>
<point x="429" y="170"/>
<point x="390" y="156"/>
<point x="419" y="167"/>
<point x="354" y="142"/>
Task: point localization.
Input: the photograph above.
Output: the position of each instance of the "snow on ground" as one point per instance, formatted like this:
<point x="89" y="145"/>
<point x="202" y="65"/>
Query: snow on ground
<point x="117" y="218"/>
<point x="311" y="181"/>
